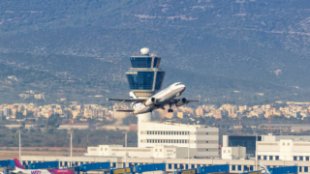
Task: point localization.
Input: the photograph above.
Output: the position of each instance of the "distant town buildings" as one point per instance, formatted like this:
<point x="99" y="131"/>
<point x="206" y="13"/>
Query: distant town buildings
<point x="17" y="111"/>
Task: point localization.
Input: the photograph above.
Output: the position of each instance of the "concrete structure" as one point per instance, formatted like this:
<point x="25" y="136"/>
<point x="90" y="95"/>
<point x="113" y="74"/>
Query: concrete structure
<point x="134" y="152"/>
<point x="144" y="78"/>
<point x="273" y="148"/>
<point x="232" y="153"/>
<point x="203" y="141"/>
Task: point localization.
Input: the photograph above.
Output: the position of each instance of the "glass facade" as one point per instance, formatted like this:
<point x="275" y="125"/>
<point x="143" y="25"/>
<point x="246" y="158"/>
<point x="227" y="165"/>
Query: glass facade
<point x="159" y="79"/>
<point x="142" y="80"/>
<point x="141" y="62"/>
<point x="249" y="142"/>
<point x="156" y="62"/>
<point x="144" y="62"/>
<point x="144" y="72"/>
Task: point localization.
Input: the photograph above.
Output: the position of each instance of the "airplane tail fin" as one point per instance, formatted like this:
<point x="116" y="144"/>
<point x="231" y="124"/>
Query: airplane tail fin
<point x="18" y="164"/>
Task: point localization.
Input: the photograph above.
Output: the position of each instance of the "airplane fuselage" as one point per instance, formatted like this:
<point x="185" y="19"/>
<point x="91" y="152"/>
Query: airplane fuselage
<point x="42" y="171"/>
<point x="160" y="99"/>
<point x="23" y="171"/>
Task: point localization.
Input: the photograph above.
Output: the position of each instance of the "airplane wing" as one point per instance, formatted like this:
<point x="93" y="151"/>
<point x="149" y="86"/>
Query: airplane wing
<point x="184" y="100"/>
<point x="124" y="110"/>
<point x="126" y="100"/>
<point x="192" y="100"/>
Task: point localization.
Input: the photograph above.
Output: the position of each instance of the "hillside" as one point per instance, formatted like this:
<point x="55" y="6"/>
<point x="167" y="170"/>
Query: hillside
<point x="245" y="51"/>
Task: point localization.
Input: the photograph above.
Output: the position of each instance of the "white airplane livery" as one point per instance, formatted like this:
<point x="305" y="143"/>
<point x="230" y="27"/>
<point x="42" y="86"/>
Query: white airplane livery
<point x="167" y="96"/>
<point x="19" y="169"/>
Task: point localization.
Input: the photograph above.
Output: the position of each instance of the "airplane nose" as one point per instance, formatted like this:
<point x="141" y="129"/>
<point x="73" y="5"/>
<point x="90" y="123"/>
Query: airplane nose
<point x="183" y="87"/>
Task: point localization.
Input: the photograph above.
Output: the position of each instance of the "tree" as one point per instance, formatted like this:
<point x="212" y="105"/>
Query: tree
<point x="53" y="121"/>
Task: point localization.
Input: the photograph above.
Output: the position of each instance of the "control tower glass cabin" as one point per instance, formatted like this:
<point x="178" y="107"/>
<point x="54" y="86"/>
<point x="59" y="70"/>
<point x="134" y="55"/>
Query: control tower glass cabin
<point x="144" y="76"/>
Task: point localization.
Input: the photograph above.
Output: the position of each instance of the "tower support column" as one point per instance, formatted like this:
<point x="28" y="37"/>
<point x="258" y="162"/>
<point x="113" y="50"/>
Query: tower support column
<point x="142" y="118"/>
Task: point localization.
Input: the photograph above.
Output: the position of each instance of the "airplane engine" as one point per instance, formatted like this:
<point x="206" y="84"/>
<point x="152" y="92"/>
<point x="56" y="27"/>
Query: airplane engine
<point x="154" y="101"/>
<point x="151" y="101"/>
<point x="137" y="106"/>
<point x="182" y="102"/>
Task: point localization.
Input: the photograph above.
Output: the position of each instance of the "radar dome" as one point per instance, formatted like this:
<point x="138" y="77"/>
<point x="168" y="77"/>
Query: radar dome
<point x="144" y="51"/>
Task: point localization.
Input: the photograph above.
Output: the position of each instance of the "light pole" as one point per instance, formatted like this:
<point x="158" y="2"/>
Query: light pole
<point x="71" y="145"/>
<point x="125" y="149"/>
<point x="188" y="150"/>
<point x="19" y="145"/>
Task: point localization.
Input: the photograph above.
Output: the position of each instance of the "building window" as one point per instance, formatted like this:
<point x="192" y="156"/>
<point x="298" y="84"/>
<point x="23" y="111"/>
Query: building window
<point x="277" y="158"/>
<point x="251" y="168"/>
<point x="169" y="166"/>
<point x="295" y="158"/>
<point x="141" y="62"/>
<point x="233" y="167"/>
<point x="307" y="158"/>
<point x="301" y="158"/>
<point x="175" y="166"/>
<point x="306" y="170"/>
<point x="270" y="158"/>
<point x="259" y="157"/>
<point x="239" y="167"/>
<point x="265" y="157"/>
<point x="141" y="80"/>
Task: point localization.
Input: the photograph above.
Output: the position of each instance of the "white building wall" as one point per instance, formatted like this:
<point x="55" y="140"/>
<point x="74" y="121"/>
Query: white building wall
<point x="231" y="153"/>
<point x="225" y="141"/>
<point x="134" y="152"/>
<point x="205" y="140"/>
<point x="272" y="149"/>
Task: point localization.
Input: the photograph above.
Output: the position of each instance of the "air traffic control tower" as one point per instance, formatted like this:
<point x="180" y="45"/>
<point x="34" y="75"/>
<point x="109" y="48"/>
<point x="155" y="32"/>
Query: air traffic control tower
<point x="144" y="77"/>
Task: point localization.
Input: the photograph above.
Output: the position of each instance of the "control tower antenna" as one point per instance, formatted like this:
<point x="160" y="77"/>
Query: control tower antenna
<point x="144" y="78"/>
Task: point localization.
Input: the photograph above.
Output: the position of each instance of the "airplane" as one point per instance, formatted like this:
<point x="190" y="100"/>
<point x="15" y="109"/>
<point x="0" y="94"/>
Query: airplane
<point x="20" y="169"/>
<point x="167" y="96"/>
